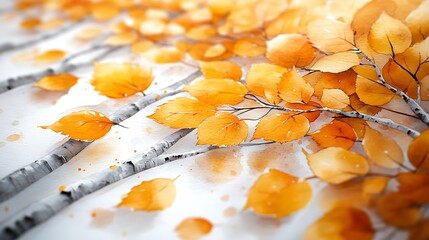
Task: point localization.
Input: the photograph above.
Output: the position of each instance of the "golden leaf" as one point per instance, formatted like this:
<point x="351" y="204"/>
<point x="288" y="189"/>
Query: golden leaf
<point x="193" y="228"/>
<point x="330" y="35"/>
<point x="382" y="150"/>
<point x="337" y="165"/>
<point x="293" y="88"/>
<point x="346" y="81"/>
<point x="372" y="93"/>
<point x="164" y="55"/>
<point x="121" y="39"/>
<point x="337" y="62"/>
<point x="418" y="151"/>
<point x="223" y="129"/>
<point x="88" y="33"/>
<point x="418" y="22"/>
<point x="369" y="13"/>
<point x="415" y="186"/>
<point x="250" y="47"/>
<point x="154" y="195"/>
<point x="279" y="194"/>
<point x="83" y="125"/>
<point x="118" y="80"/>
<point x="311" y="116"/>
<point x="142" y="46"/>
<point x="282" y="127"/>
<point x="290" y="50"/>
<point x="374" y="185"/>
<point x="104" y="10"/>
<point x="335" y="134"/>
<point x="217" y="91"/>
<point x="221" y="69"/>
<point x="183" y="112"/>
<point x="57" y="82"/>
<point x="341" y="223"/>
<point x="50" y="56"/>
<point x="335" y="99"/>
<point x="389" y="35"/>
<point x="397" y="210"/>
<point x="30" y="23"/>
<point x="420" y="231"/>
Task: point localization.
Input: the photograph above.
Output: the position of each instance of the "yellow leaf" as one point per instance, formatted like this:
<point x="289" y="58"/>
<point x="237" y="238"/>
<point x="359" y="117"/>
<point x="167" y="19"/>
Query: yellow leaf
<point x="250" y="47"/>
<point x="201" y="33"/>
<point x="367" y="72"/>
<point x="118" y="80"/>
<point x="337" y="165"/>
<point x="89" y="33"/>
<point x="335" y="99"/>
<point x="57" y="82"/>
<point x="341" y="223"/>
<point x="217" y="91"/>
<point x="369" y="13"/>
<point x="83" y="125"/>
<point x="282" y="127"/>
<point x="30" y="23"/>
<point x="293" y="88"/>
<point x="357" y="105"/>
<point x="221" y="69"/>
<point x="335" y="134"/>
<point x="154" y="195"/>
<point x="389" y="35"/>
<point x="223" y="129"/>
<point x="418" y="151"/>
<point x="374" y="185"/>
<point x="330" y="35"/>
<point x="290" y="50"/>
<point x="193" y="228"/>
<point x="214" y="51"/>
<point x="50" y="56"/>
<point x="183" y="112"/>
<point x="418" y="22"/>
<point x="279" y="194"/>
<point x="263" y="79"/>
<point x="337" y="62"/>
<point x="104" y="10"/>
<point x="346" y="81"/>
<point x="164" y="55"/>
<point x="121" y="39"/>
<point x="382" y="150"/>
<point x="142" y="46"/>
<point x="372" y="93"/>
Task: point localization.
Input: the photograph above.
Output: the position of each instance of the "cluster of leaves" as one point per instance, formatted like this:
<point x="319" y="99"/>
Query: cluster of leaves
<point x="347" y="58"/>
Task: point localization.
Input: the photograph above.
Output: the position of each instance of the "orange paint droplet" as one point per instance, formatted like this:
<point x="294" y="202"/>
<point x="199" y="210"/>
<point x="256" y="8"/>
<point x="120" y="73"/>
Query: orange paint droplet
<point x="62" y="188"/>
<point x="14" y="137"/>
<point x="219" y="166"/>
<point x="101" y="217"/>
<point x="113" y="167"/>
<point x="149" y="130"/>
<point x="71" y="215"/>
<point x="15" y="123"/>
<point x="124" y="234"/>
<point x="157" y="97"/>
<point x="229" y="212"/>
<point x="224" y="198"/>
<point x="79" y="169"/>
<point x="270" y="157"/>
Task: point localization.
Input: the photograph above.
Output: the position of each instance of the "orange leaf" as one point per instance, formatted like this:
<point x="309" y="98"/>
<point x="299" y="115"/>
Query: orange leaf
<point x="418" y="22"/>
<point x="337" y="62"/>
<point x="154" y="195"/>
<point x="183" y="112"/>
<point x="52" y="23"/>
<point x="367" y="72"/>
<point x="223" y="129"/>
<point x="263" y="79"/>
<point x="374" y="185"/>
<point x="30" y="23"/>
<point x="389" y="35"/>
<point x="211" y="52"/>
<point x="331" y="35"/>
<point x="121" y="39"/>
<point x="382" y="150"/>
<point x="288" y="22"/>
<point x="58" y="82"/>
<point x="420" y="231"/>
<point x="250" y="47"/>
<point x="217" y="91"/>
<point x="142" y="46"/>
<point x="357" y="105"/>
<point x="372" y="93"/>
<point x="342" y="223"/>
<point x="290" y="50"/>
<point x="345" y="81"/>
<point x="50" y="56"/>
<point x="104" y="10"/>
<point x="219" y="69"/>
<point x="335" y="134"/>
<point x="89" y="33"/>
<point x="311" y="116"/>
<point x="337" y="165"/>
<point x="293" y="88"/>
<point x="415" y="186"/>
<point x="418" y="151"/>
<point x="164" y="55"/>
<point x="83" y="125"/>
<point x="397" y="210"/>
<point x="335" y="99"/>
<point x="201" y="33"/>
<point x="279" y="194"/>
<point x="118" y="80"/>
<point x="358" y="125"/>
<point x="282" y="127"/>
<point x="369" y="13"/>
<point x="193" y="228"/>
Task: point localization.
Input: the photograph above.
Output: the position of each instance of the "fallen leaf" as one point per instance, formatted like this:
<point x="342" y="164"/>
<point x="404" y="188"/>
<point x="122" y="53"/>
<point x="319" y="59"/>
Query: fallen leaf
<point x="83" y="125"/>
<point x="154" y="195"/>
<point x="57" y="82"/>
<point x="217" y="91"/>
<point x="279" y="194"/>
<point x="337" y="165"/>
<point x="193" y="228"/>
<point x="118" y="80"/>
<point x="183" y="112"/>
<point x="282" y="127"/>
<point x="223" y="129"/>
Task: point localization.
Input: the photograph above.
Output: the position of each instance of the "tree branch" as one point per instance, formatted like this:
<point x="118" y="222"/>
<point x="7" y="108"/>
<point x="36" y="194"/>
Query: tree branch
<point x="7" y="47"/>
<point x="414" y="106"/>
<point x="11" y="83"/>
<point x="24" y="177"/>
<point x="48" y="207"/>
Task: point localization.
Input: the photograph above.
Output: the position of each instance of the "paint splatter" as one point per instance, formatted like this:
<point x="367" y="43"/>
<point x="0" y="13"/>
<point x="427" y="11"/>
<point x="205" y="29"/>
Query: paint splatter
<point x="14" y="137"/>
<point x="230" y="212"/>
<point x="273" y="156"/>
<point x="101" y="217"/>
<point x="224" y="198"/>
<point x="220" y="165"/>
